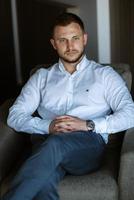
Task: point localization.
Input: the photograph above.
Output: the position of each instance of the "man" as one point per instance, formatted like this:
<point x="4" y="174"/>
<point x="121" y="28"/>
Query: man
<point x="79" y="103"/>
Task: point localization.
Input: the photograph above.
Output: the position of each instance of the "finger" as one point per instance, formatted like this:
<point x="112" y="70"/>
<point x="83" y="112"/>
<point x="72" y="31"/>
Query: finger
<point x="62" y="123"/>
<point x="64" y="117"/>
<point x="64" y="129"/>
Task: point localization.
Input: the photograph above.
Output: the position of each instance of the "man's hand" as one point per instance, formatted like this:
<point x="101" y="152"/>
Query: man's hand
<point x="67" y="123"/>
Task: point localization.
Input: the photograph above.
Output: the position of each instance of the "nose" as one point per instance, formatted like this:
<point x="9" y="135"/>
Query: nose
<point x="69" y="45"/>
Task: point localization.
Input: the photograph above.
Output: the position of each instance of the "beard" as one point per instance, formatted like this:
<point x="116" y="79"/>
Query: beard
<point x="67" y="58"/>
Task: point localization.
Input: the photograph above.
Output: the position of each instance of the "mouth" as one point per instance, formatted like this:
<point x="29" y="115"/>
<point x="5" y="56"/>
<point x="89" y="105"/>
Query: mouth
<point x="71" y="53"/>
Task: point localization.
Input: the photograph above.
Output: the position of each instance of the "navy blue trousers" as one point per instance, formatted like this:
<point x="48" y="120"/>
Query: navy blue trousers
<point x="75" y="153"/>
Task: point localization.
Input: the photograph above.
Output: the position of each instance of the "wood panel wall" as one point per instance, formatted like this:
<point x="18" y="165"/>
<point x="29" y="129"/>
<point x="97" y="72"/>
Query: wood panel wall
<point x="122" y="32"/>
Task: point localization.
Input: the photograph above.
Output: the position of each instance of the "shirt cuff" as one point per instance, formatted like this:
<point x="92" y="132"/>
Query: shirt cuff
<point x="42" y="126"/>
<point x="100" y="125"/>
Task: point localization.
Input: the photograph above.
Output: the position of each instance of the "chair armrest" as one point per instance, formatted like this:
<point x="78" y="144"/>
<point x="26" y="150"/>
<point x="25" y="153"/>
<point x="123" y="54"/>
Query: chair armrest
<point x="12" y="144"/>
<point x="126" y="173"/>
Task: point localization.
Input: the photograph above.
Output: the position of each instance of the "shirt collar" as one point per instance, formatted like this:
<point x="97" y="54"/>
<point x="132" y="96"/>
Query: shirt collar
<point x="80" y="66"/>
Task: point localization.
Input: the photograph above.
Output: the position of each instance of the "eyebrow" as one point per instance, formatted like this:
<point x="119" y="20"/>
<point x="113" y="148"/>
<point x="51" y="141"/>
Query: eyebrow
<point x="71" y="37"/>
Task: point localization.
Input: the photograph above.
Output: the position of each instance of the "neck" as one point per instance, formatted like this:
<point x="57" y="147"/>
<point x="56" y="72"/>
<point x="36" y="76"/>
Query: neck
<point x="71" y="67"/>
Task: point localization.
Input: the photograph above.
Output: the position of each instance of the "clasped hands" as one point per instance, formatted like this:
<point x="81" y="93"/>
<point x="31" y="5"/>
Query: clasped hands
<point x="67" y="123"/>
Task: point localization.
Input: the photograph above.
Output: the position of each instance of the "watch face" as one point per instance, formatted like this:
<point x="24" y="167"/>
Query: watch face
<point x="90" y="125"/>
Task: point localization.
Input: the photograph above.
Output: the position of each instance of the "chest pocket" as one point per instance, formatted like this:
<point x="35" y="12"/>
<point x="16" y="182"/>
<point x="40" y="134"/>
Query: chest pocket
<point x="90" y="95"/>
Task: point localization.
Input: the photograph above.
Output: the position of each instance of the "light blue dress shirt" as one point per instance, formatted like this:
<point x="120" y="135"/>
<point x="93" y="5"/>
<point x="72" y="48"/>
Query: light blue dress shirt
<point x="92" y="92"/>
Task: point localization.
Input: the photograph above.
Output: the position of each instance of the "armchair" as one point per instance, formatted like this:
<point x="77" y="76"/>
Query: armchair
<point x="113" y="181"/>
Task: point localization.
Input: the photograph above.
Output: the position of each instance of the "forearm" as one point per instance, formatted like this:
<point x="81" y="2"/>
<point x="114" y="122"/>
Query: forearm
<point x="28" y="124"/>
<point x="116" y="122"/>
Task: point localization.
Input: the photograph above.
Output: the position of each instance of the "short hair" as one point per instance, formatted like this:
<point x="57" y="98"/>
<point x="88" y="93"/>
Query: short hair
<point x="65" y="19"/>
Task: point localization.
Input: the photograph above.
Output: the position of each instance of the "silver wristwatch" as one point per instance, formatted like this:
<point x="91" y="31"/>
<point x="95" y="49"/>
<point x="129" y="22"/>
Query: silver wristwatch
<point x="90" y="125"/>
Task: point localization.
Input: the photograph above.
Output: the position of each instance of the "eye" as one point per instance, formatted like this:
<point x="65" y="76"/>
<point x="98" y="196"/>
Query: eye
<point x="61" y="40"/>
<point x="76" y="38"/>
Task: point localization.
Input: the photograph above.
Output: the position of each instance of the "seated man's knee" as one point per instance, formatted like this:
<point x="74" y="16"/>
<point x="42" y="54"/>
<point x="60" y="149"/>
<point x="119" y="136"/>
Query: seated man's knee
<point x="54" y="139"/>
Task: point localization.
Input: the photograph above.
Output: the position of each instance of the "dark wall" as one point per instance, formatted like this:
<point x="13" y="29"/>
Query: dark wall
<point x="7" y="62"/>
<point x="122" y="33"/>
<point x="35" y="19"/>
<point x="34" y="22"/>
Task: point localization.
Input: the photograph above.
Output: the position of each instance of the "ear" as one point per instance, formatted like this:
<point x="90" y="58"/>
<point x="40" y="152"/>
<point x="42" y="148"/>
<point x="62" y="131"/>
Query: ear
<point x="53" y="43"/>
<point x="85" y="38"/>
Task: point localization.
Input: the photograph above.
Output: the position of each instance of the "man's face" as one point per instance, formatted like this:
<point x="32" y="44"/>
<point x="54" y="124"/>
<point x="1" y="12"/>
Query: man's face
<point x="69" y="42"/>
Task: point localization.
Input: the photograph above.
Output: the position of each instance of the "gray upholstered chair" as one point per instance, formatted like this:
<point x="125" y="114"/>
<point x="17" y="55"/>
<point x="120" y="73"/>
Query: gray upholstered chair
<point x="113" y="181"/>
